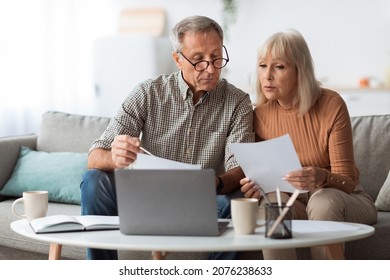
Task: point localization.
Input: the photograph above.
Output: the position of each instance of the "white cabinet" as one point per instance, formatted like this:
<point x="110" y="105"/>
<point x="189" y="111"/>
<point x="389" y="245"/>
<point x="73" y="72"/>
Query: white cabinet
<point x="123" y="61"/>
<point x="363" y="102"/>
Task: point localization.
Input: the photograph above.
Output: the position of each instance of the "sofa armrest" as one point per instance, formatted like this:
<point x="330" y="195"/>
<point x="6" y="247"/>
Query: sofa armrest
<point x="9" y="152"/>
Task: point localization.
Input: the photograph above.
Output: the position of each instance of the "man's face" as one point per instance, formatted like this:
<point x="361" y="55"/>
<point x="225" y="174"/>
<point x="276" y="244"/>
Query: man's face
<point x="197" y="47"/>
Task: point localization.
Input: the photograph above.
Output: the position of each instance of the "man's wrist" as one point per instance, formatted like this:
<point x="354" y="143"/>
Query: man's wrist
<point x="220" y="185"/>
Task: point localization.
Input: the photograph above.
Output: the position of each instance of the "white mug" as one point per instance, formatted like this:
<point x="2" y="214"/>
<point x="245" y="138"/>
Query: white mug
<point x="245" y="213"/>
<point x="35" y="205"/>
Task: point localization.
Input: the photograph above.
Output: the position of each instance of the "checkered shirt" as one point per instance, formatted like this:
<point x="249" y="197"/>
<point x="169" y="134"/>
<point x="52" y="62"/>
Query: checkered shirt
<point x="162" y="113"/>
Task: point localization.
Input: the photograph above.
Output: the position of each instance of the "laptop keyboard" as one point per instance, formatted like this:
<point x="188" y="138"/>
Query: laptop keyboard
<point x="222" y="226"/>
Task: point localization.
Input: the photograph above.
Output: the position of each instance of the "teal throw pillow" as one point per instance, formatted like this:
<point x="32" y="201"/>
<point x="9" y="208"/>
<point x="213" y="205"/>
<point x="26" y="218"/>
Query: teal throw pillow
<point x="60" y="173"/>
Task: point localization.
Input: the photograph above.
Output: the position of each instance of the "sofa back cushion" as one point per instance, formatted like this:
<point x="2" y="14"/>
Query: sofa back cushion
<point x="62" y="132"/>
<point x="371" y="141"/>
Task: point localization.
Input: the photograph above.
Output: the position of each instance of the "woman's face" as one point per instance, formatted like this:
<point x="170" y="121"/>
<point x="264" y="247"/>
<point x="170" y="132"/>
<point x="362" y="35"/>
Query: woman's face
<point x="278" y="80"/>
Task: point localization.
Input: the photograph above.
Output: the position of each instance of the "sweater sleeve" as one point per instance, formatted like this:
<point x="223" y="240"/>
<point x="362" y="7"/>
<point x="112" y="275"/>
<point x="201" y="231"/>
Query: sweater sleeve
<point x="343" y="173"/>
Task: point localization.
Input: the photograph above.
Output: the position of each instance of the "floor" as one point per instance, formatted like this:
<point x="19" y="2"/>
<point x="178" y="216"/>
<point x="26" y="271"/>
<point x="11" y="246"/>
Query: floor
<point x="14" y="254"/>
<point x="7" y="253"/>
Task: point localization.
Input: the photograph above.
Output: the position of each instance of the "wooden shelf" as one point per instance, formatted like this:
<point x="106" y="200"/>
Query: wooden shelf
<point x="358" y="90"/>
<point x="149" y="21"/>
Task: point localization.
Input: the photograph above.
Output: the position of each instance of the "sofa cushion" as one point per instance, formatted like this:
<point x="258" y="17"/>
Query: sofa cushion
<point x="9" y="152"/>
<point x="371" y="142"/>
<point x="373" y="247"/>
<point x="62" y="132"/>
<point x="59" y="173"/>
<point x="382" y="202"/>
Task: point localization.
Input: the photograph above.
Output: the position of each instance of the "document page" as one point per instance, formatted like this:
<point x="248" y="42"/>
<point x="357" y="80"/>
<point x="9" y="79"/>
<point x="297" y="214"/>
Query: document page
<point x="152" y="162"/>
<point x="64" y="223"/>
<point x="268" y="161"/>
<point x="100" y="222"/>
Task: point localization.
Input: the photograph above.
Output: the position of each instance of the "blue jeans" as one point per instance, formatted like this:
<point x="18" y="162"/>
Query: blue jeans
<point x="223" y="206"/>
<point x="98" y="197"/>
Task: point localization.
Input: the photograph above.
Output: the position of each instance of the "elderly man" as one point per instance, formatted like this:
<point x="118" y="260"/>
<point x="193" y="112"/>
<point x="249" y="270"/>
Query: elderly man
<point x="189" y="116"/>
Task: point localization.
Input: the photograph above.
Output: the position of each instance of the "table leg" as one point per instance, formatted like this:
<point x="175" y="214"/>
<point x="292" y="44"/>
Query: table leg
<point x="157" y="255"/>
<point x="55" y="251"/>
<point x="335" y="251"/>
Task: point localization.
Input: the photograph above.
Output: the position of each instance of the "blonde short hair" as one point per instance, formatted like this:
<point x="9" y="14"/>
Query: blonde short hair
<point x="290" y="46"/>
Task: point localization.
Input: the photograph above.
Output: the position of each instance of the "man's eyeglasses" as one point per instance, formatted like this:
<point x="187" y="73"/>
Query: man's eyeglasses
<point x="202" y="65"/>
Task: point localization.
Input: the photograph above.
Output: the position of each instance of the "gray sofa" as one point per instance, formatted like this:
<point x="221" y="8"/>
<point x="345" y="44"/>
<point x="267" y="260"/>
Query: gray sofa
<point x="60" y="132"/>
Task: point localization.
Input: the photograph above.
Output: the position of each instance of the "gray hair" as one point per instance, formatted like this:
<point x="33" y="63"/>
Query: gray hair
<point x="290" y="46"/>
<point x="193" y="24"/>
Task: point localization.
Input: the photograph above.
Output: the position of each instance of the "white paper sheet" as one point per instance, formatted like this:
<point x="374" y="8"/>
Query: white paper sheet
<point x="268" y="161"/>
<point x="152" y="162"/>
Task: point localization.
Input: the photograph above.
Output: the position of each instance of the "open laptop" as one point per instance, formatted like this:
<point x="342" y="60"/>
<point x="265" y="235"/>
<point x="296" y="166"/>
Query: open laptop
<point x="167" y="202"/>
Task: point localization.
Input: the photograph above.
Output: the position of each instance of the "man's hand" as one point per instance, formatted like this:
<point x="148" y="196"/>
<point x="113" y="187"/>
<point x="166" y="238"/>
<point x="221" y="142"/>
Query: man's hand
<point x="124" y="150"/>
<point x="249" y="188"/>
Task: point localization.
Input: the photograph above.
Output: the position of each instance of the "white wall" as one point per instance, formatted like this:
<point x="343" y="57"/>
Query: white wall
<point x="46" y="50"/>
<point x="349" y="39"/>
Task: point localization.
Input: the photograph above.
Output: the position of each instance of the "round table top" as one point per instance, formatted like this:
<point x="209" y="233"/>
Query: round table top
<point x="305" y="234"/>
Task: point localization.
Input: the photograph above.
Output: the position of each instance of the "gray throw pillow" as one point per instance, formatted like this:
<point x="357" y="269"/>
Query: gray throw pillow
<point x="382" y="202"/>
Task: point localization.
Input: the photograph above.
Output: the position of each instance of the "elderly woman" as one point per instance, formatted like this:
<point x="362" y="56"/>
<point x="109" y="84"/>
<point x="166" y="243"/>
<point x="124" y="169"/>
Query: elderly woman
<point x="290" y="100"/>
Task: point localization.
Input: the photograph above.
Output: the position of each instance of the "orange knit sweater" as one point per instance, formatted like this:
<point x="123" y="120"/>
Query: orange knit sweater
<point x="322" y="137"/>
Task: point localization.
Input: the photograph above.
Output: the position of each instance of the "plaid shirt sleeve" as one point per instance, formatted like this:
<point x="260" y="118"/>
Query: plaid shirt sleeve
<point x="162" y="113"/>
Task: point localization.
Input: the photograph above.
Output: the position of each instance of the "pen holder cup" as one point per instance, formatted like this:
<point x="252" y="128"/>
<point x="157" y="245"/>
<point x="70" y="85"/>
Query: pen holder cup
<point x="278" y="221"/>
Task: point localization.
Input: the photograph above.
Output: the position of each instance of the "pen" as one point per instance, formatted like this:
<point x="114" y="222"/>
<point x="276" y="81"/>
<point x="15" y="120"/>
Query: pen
<point x="146" y="151"/>
<point x="289" y="203"/>
<point x="264" y="195"/>
<point x="131" y="165"/>
<point x="278" y="197"/>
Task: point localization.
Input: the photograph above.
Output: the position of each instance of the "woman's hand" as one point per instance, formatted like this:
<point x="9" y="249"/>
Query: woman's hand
<point x="249" y="188"/>
<point x="308" y="178"/>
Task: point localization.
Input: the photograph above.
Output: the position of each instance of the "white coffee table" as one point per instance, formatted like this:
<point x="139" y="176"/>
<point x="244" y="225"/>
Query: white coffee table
<point x="305" y="234"/>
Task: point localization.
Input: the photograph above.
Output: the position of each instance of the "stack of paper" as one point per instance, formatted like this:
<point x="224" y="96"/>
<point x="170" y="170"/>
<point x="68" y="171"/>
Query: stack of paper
<point x="268" y="161"/>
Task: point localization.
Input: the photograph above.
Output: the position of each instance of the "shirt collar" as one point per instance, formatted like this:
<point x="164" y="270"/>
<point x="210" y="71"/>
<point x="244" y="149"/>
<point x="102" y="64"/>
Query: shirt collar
<point x="184" y="88"/>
